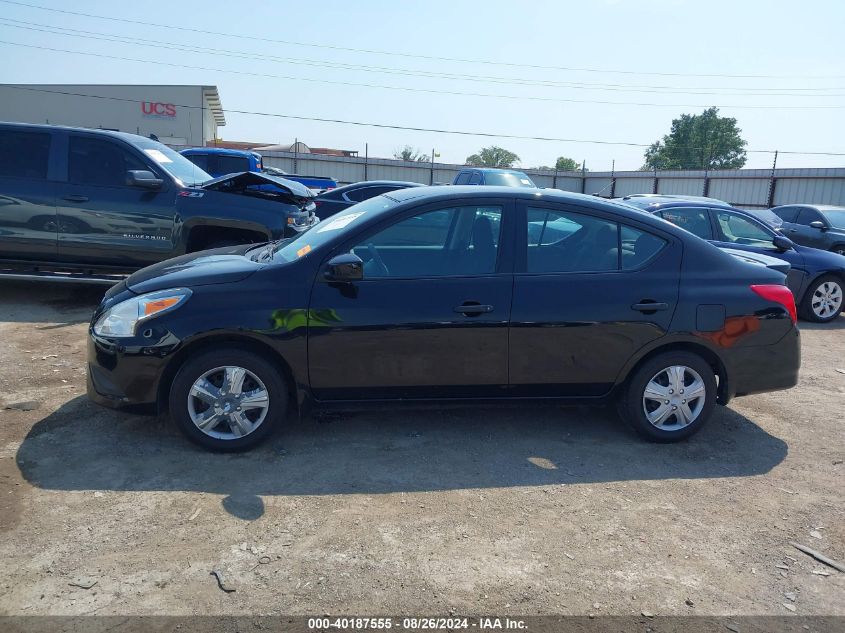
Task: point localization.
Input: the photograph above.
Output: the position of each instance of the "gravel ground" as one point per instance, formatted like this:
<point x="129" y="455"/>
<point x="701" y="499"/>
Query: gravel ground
<point x="507" y="510"/>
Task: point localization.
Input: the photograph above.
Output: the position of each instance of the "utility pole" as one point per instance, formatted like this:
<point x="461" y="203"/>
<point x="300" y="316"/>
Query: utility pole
<point x="431" y="174"/>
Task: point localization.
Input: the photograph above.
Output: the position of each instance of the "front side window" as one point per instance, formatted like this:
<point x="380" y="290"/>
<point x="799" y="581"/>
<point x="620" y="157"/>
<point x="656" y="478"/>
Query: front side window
<point x="738" y="229"/>
<point x="95" y="161"/>
<point x="24" y="154"/>
<point x="447" y="242"/>
<point x="690" y="219"/>
<point x="563" y="241"/>
<point x="806" y="215"/>
<point x="463" y="178"/>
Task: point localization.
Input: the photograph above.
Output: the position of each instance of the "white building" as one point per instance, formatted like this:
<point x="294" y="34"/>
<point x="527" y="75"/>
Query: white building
<point x="177" y="115"/>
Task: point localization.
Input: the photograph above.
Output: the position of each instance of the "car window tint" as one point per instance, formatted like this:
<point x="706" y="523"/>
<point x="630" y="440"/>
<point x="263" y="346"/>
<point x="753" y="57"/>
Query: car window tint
<point x="94" y="161"/>
<point x="445" y="242"/>
<point x="365" y="193"/>
<point x="639" y="247"/>
<point x="562" y="241"/>
<point x="475" y="179"/>
<point x="692" y="219"/>
<point x="463" y="178"/>
<point x="787" y="214"/>
<point x="24" y="154"/>
<point x="231" y="164"/>
<point x="200" y="160"/>
<point x="807" y="215"/>
<point x="738" y="229"/>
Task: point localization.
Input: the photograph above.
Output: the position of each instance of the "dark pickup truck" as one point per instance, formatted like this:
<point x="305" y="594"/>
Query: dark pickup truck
<point x="91" y="204"/>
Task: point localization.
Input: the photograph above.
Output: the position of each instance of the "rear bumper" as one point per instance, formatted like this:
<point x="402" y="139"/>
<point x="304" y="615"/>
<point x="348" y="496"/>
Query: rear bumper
<point x="758" y="369"/>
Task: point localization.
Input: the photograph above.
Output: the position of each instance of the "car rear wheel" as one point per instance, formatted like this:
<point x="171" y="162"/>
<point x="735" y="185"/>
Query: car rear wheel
<point x="823" y="300"/>
<point x="670" y="397"/>
<point x="228" y="399"/>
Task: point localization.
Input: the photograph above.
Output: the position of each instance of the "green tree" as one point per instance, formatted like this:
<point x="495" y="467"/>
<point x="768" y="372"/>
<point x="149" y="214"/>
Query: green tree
<point x="412" y="154"/>
<point x="566" y="164"/>
<point x="699" y="141"/>
<point x="493" y="157"/>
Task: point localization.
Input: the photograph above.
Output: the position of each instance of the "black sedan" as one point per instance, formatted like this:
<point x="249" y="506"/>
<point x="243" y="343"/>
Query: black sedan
<point x="330" y="202"/>
<point x="817" y="277"/>
<point x="505" y="294"/>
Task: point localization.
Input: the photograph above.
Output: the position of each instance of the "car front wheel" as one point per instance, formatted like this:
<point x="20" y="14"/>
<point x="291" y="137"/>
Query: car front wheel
<point x="228" y="399"/>
<point x="823" y="300"/>
<point x="670" y="397"/>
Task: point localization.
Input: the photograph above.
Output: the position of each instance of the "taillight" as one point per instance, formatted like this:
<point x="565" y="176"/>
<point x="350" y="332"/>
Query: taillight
<point x="778" y="294"/>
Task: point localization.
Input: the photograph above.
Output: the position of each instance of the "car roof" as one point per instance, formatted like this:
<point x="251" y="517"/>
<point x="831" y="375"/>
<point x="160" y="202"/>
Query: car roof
<point x="664" y="203"/>
<point x="371" y="183"/>
<point x="222" y="150"/>
<point x="126" y="136"/>
<point x="817" y="207"/>
<point x="493" y="170"/>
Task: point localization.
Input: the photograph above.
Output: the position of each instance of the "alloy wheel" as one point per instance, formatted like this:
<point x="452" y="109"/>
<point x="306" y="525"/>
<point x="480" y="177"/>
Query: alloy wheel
<point x="827" y="300"/>
<point x="674" y="398"/>
<point x="228" y="402"/>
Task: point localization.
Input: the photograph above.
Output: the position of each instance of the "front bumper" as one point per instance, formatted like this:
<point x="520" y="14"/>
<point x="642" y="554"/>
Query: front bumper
<point x="127" y="373"/>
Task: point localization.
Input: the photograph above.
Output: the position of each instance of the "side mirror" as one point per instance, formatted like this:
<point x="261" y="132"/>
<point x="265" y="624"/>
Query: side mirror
<point x="782" y="243"/>
<point x="818" y="224"/>
<point x="143" y="178"/>
<point x="345" y="268"/>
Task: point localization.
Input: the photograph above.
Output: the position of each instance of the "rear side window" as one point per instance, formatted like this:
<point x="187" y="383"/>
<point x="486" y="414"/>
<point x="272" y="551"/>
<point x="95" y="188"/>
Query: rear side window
<point x="94" y="161"/>
<point x="231" y="164"/>
<point x="200" y="160"/>
<point x="475" y="179"/>
<point x="463" y="178"/>
<point x="787" y="214"/>
<point x="24" y="154"/>
<point x="562" y="241"/>
<point x="639" y="247"/>
<point x="694" y="220"/>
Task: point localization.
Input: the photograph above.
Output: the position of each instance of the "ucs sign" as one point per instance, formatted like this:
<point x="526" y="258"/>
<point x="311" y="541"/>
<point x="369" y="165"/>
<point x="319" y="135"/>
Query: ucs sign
<point x="159" y="110"/>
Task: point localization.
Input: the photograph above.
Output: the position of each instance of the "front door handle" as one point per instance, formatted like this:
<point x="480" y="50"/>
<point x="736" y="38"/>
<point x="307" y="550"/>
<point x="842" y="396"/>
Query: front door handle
<point x="649" y="306"/>
<point x="76" y="198"/>
<point x="472" y="309"/>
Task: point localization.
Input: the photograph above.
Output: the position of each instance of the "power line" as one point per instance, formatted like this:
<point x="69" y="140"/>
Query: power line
<point x="422" y="90"/>
<point x="397" y="127"/>
<point x="715" y="91"/>
<point x="404" y="54"/>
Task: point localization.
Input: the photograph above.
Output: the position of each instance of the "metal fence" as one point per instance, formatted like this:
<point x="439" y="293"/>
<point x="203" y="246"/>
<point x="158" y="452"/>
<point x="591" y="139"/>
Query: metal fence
<point x="748" y="188"/>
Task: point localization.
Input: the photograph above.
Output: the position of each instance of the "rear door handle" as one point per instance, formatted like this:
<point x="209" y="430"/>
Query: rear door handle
<point x="76" y="198"/>
<point x="649" y="306"/>
<point x="473" y="309"/>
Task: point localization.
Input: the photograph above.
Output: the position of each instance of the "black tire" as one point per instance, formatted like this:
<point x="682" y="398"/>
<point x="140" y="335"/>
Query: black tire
<point x="806" y="311"/>
<point x="233" y="356"/>
<point x="632" y="407"/>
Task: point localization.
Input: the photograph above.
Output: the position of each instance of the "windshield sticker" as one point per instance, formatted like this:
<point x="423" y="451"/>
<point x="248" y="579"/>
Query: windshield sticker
<point x="157" y="156"/>
<point x="339" y="223"/>
<point x="525" y="181"/>
<point x="304" y="250"/>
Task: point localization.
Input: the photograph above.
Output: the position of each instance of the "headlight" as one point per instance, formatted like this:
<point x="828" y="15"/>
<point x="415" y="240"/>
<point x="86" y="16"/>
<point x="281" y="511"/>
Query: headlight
<point x="122" y="319"/>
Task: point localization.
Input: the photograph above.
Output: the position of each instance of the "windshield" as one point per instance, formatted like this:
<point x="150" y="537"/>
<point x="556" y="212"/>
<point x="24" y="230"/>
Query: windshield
<point x="836" y="217"/>
<point x="172" y="162"/>
<point x="508" y="179"/>
<point x="333" y="227"/>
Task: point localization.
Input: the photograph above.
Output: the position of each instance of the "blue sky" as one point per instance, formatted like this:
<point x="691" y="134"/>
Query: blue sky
<point x="660" y="51"/>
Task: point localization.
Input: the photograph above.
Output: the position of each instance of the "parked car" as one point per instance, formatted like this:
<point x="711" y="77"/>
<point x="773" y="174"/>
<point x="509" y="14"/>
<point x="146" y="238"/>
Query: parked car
<point x="93" y="202"/>
<point x="219" y="161"/>
<point x="816" y="277"/>
<point x="364" y="309"/>
<point x="330" y="202"/>
<point x="817" y="225"/>
<point x="490" y="176"/>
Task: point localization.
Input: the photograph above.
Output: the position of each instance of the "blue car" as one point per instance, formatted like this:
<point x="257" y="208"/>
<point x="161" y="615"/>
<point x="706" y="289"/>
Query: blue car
<point x="816" y="277"/>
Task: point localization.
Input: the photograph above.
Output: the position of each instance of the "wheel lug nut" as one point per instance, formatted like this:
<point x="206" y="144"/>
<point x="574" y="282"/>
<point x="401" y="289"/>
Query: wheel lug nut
<point x="674" y="408"/>
<point x="667" y="402"/>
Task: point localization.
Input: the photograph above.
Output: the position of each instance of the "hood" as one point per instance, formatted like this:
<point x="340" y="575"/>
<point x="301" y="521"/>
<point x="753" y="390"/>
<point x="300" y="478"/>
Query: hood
<point x="239" y="181"/>
<point x="219" y="266"/>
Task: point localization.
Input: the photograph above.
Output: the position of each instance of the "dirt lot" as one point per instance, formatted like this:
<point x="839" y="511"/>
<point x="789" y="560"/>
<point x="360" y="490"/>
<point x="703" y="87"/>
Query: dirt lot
<point x="519" y="511"/>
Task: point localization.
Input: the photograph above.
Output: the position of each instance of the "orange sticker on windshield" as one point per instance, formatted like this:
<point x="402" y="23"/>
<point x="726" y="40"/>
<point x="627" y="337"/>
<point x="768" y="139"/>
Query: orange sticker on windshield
<point x="304" y="250"/>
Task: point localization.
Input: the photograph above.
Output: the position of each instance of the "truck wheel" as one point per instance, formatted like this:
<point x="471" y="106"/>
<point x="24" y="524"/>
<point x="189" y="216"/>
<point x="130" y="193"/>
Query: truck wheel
<point x="228" y="399"/>
<point x="669" y="397"/>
